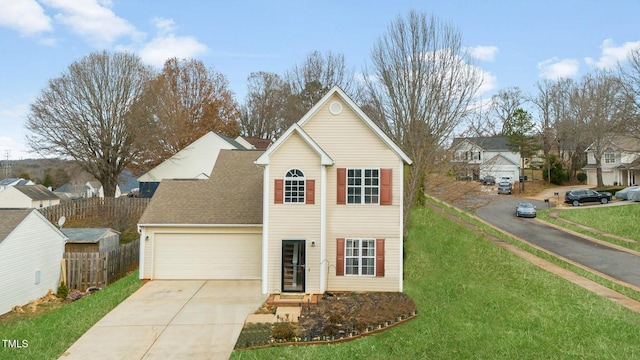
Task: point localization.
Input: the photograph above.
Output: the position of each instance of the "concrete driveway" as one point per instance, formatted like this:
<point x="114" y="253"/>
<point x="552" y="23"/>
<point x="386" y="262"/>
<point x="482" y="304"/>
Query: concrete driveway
<point x="173" y="319"/>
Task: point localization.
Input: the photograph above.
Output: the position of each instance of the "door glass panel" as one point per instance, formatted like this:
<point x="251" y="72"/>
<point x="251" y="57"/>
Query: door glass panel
<point x="293" y="266"/>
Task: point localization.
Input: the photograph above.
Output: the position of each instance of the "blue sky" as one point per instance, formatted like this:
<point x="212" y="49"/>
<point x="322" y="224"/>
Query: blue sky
<point x="516" y="43"/>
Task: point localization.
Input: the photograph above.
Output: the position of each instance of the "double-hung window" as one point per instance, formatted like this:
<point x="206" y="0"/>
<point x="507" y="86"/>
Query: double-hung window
<point x="609" y="156"/>
<point x="363" y="186"/>
<point x="360" y="257"/>
<point x="294" y="187"/>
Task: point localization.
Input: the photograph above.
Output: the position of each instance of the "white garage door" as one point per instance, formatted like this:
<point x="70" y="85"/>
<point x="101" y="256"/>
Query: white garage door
<point x="207" y="256"/>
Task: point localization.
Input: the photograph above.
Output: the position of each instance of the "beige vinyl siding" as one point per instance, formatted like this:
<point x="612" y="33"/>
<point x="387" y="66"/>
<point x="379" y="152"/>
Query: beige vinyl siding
<point x="392" y="268"/>
<point x="33" y="245"/>
<point x="216" y="251"/>
<point x="352" y="144"/>
<point x="294" y="221"/>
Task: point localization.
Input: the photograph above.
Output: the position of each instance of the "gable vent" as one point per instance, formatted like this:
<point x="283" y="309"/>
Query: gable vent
<point x="335" y="108"/>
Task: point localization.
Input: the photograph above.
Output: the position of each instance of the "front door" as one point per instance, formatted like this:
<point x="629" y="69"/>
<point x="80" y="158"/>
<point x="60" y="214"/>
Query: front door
<point x="293" y="265"/>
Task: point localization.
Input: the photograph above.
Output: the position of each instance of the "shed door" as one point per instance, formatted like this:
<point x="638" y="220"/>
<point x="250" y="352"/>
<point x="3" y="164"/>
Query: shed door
<point x="207" y="256"/>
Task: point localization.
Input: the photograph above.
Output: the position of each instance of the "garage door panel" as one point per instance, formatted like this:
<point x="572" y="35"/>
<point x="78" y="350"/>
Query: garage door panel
<point x="207" y="256"/>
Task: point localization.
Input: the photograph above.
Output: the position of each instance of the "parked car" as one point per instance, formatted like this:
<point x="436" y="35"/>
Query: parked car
<point x="624" y="193"/>
<point x="504" y="188"/>
<point x="525" y="209"/>
<point x="489" y="180"/>
<point x="575" y="197"/>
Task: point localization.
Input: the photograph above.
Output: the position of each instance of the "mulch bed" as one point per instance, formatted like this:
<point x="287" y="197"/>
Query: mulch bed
<point x="342" y="316"/>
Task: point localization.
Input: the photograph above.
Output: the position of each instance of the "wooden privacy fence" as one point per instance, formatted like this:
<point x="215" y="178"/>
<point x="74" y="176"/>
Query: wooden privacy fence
<point x="85" y="270"/>
<point x="124" y="207"/>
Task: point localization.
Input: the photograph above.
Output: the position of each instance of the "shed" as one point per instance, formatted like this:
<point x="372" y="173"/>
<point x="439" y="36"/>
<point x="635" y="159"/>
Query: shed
<point x="91" y="239"/>
<point x="31" y="251"/>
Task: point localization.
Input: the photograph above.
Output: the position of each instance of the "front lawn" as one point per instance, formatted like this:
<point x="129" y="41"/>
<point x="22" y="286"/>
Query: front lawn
<point x="49" y="335"/>
<point x="477" y="300"/>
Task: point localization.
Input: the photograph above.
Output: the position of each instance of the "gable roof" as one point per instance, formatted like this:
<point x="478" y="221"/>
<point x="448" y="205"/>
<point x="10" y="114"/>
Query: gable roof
<point x="9" y="219"/>
<point x="356" y="109"/>
<point x="36" y="192"/>
<point x="231" y="196"/>
<point x="14" y="181"/>
<point x="499" y="160"/>
<point x="325" y="159"/>
<point x="487" y="143"/>
<point x="86" y="235"/>
<point x="621" y="143"/>
<point x="184" y="165"/>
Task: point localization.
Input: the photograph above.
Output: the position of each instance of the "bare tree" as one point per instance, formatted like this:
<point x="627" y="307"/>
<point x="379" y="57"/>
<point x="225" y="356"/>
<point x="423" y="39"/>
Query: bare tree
<point x="601" y="105"/>
<point x="630" y="75"/>
<point x="188" y="100"/>
<point x="312" y="79"/>
<point x="90" y="114"/>
<point x="264" y="111"/>
<point x="421" y="86"/>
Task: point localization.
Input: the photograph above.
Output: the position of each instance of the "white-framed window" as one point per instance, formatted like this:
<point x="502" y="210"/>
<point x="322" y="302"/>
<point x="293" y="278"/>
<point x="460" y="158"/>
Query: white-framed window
<point x="294" y="187"/>
<point x="360" y="257"/>
<point x="475" y="155"/>
<point x="363" y="186"/>
<point x="609" y="156"/>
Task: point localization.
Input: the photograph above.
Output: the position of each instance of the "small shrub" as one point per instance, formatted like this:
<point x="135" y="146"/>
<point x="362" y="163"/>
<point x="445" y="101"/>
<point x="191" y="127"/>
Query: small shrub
<point x="335" y="318"/>
<point x="582" y="177"/>
<point x="284" y="331"/>
<point x="62" y="291"/>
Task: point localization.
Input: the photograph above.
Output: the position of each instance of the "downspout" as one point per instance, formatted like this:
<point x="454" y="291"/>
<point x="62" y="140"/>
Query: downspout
<point x="323" y="229"/>
<point x="265" y="229"/>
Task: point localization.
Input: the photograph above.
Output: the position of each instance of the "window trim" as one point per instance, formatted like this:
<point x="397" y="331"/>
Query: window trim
<point x="360" y="257"/>
<point x="609" y="156"/>
<point x="302" y="189"/>
<point x="363" y="186"/>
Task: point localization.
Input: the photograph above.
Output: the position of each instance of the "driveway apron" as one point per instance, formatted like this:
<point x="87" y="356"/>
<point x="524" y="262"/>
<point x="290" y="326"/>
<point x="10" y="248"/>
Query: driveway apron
<point x="172" y="319"/>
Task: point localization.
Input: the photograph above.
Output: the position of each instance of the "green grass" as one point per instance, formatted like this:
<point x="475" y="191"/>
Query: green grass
<point x="477" y="300"/>
<point x="621" y="220"/>
<point x="623" y="225"/>
<point x="50" y="334"/>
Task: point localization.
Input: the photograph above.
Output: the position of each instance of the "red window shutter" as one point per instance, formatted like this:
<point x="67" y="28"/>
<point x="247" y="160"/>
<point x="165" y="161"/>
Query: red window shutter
<point x="342" y="186"/>
<point x="379" y="257"/>
<point x="278" y="191"/>
<point x="310" y="192"/>
<point x="385" y="187"/>
<point x="340" y="257"/>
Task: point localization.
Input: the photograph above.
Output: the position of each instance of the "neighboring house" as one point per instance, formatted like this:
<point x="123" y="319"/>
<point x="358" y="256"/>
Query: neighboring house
<point x="620" y="163"/>
<point x="477" y="157"/>
<point x="31" y="250"/>
<point x="91" y="239"/>
<point x="193" y="162"/>
<point x="5" y="183"/>
<point x="95" y="189"/>
<point x="27" y="196"/>
<point x="71" y="192"/>
<point x="320" y="210"/>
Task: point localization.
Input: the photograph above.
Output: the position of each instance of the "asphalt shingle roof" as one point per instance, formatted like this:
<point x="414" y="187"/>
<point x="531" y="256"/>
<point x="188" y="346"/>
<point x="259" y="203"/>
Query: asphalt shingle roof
<point x="232" y="195"/>
<point x="89" y="235"/>
<point x="9" y="219"/>
<point x="36" y="192"/>
<point x="496" y="143"/>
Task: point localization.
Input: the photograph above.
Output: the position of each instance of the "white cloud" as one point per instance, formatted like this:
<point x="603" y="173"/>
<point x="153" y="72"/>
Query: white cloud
<point x="489" y="82"/>
<point x="555" y="68"/>
<point x="93" y="20"/>
<point x="484" y="53"/>
<point x="167" y="45"/>
<point x="611" y="55"/>
<point x="25" y="16"/>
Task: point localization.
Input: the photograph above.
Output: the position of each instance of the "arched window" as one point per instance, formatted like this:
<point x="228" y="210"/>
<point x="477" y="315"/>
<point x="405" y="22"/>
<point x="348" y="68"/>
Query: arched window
<point x="294" y="187"/>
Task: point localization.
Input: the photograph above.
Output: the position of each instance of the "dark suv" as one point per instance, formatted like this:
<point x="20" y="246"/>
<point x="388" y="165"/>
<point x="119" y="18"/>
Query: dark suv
<point x="575" y="197"/>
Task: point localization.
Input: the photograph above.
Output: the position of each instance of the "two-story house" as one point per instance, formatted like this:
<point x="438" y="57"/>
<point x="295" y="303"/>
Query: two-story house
<point x="477" y="157"/>
<point x="620" y="162"/>
<point x="321" y="209"/>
